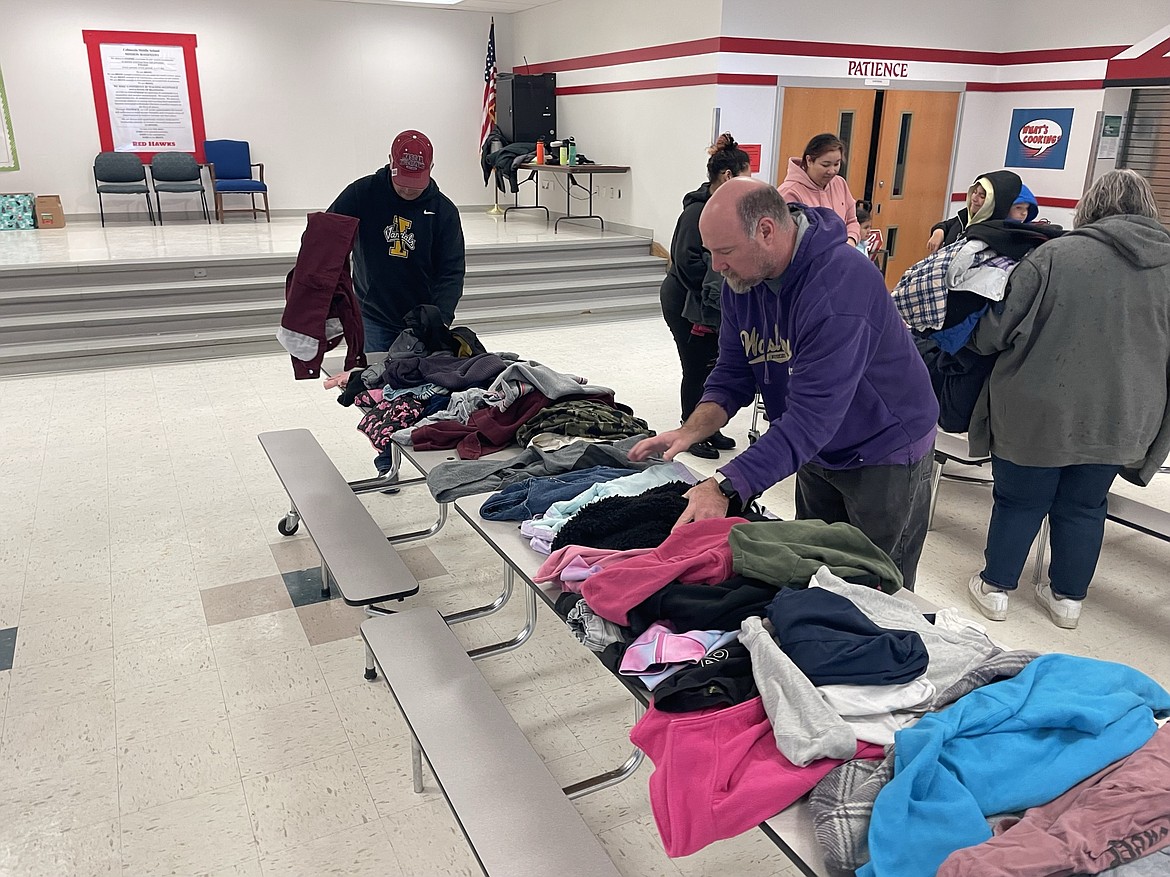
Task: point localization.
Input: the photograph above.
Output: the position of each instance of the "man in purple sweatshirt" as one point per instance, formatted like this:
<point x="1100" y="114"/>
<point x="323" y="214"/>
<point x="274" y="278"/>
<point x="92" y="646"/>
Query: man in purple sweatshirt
<point x="809" y="324"/>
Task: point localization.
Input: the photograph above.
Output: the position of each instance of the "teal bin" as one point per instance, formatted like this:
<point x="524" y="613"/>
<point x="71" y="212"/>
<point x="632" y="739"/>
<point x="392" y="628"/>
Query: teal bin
<point x="16" y="212"/>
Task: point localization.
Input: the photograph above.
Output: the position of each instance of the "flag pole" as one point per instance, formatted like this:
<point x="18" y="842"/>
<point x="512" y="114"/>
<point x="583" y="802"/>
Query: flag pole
<point x="489" y="112"/>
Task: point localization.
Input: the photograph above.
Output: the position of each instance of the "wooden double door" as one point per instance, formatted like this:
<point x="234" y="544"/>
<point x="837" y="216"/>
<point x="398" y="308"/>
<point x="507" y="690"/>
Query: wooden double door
<point x="898" y="147"/>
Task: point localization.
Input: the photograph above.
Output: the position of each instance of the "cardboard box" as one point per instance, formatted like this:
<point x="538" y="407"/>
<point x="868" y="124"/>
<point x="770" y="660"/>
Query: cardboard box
<point x="16" y="211"/>
<point x="49" y="212"/>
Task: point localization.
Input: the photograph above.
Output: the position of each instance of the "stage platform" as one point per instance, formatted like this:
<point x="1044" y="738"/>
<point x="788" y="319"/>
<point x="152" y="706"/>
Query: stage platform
<point x="124" y="294"/>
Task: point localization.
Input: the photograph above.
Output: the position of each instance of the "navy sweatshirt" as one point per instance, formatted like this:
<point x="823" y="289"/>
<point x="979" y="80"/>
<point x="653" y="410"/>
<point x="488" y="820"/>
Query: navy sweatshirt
<point x="407" y="253"/>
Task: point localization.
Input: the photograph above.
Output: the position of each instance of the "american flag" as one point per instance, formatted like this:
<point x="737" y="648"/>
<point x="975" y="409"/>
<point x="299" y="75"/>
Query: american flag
<point x="489" y="88"/>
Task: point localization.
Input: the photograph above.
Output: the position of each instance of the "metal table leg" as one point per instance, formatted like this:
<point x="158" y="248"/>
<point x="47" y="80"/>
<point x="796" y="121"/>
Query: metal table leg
<point x="523" y="634"/>
<point x="610" y="777"/>
<point x="416" y="764"/>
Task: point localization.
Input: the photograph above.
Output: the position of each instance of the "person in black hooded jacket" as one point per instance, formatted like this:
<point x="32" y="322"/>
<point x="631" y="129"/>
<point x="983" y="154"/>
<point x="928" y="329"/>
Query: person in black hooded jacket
<point x="409" y="249"/>
<point x="991" y="196"/>
<point x="690" y="291"/>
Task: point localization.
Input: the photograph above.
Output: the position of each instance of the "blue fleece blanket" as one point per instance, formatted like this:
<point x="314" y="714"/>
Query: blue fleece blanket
<point x="1005" y="747"/>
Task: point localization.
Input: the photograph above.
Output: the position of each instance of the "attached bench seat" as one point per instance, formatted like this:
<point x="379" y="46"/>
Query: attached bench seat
<point x="361" y="562"/>
<point x="514" y="814"/>
<point x="948" y="446"/>
<point x="355" y="554"/>
<point x="1139" y="516"/>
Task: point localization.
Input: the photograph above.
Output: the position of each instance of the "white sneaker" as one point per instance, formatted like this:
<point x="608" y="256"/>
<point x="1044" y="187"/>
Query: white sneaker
<point x="1064" y="613"/>
<point x="991" y="602"/>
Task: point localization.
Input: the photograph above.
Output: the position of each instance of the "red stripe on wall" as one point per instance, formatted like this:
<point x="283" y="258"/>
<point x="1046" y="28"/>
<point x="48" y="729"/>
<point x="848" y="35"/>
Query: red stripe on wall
<point x="1043" y="85"/>
<point x="628" y="56"/>
<point x="1069" y="203"/>
<point x="807" y="48"/>
<point x="671" y="82"/>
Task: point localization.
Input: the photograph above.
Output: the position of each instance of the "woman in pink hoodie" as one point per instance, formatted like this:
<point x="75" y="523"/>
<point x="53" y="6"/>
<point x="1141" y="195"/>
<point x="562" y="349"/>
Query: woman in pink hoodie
<point x="814" y="179"/>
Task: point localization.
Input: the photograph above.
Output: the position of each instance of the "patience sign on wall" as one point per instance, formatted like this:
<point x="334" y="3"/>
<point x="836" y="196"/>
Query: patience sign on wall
<point x="146" y="92"/>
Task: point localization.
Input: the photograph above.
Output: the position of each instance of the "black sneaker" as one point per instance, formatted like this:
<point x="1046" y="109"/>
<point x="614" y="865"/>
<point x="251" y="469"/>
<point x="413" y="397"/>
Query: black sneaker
<point x="721" y="442"/>
<point x="704" y="450"/>
<point x="390" y="491"/>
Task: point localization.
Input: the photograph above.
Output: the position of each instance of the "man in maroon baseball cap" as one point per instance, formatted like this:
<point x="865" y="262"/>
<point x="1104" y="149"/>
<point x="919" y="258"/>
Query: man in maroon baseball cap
<point x="411" y="158"/>
<point x="409" y="249"/>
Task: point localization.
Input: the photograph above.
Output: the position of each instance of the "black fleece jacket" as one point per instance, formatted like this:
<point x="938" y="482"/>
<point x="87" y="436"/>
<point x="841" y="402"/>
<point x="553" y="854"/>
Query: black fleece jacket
<point x="690" y="266"/>
<point x="407" y="253"/>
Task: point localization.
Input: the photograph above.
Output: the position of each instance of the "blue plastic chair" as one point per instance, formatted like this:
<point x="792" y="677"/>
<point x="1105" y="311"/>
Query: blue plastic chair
<point x="231" y="166"/>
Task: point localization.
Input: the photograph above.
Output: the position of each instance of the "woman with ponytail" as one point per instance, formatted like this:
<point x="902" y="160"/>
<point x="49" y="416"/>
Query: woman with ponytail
<point x="690" y="291"/>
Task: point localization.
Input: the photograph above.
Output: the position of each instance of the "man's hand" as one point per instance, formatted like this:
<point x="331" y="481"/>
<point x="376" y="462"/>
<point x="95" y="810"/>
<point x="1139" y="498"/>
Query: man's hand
<point x="704" y="500"/>
<point x="669" y="444"/>
<point x="934" y="241"/>
<point x="338" y="380"/>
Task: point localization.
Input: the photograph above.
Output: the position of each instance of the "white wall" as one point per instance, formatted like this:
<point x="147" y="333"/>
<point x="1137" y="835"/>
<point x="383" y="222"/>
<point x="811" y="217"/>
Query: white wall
<point x="983" y="137"/>
<point x="749" y="113"/>
<point x="318" y="88"/>
<point x="571" y="29"/>
<point x="906" y="22"/>
<point x="662" y="134"/>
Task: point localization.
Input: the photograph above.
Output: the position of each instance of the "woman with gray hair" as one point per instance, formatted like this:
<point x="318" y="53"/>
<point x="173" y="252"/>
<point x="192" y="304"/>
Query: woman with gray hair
<point x="1078" y="393"/>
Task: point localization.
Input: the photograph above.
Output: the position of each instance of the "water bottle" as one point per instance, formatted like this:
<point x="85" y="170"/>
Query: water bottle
<point x="572" y="152"/>
<point x="564" y="153"/>
<point x="540" y="152"/>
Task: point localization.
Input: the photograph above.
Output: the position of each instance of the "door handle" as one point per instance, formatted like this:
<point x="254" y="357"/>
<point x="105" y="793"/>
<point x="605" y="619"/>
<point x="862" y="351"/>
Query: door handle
<point x="881" y="184"/>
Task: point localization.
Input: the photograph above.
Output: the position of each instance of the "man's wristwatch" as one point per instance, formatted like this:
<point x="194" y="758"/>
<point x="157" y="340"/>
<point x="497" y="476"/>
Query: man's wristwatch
<point x="734" y="503"/>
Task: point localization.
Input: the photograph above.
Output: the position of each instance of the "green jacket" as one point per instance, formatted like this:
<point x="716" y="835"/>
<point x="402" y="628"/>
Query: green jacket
<point x="788" y="553"/>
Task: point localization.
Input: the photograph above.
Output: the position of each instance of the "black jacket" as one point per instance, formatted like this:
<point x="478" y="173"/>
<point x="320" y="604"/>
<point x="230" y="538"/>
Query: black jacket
<point x="690" y="266"/>
<point x="408" y="253"/>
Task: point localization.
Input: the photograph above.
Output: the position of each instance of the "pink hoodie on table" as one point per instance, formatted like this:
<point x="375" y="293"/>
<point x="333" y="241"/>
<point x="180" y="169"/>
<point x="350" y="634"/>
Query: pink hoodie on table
<point x="571" y="565"/>
<point x="718" y="773"/>
<point x="836" y="196"/>
<point x="694" y="553"/>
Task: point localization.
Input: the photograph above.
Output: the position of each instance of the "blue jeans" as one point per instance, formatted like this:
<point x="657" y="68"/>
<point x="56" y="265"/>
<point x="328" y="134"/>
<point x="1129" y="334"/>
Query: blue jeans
<point x="378" y="340"/>
<point x="1074" y="498"/>
<point x="378" y="337"/>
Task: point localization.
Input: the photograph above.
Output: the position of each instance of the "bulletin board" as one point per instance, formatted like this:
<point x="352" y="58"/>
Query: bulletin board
<point x="146" y="92"/>
<point x="9" y="161"/>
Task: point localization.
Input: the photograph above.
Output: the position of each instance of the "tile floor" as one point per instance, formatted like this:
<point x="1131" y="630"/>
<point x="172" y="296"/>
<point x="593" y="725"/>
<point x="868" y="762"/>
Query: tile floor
<point x="178" y="700"/>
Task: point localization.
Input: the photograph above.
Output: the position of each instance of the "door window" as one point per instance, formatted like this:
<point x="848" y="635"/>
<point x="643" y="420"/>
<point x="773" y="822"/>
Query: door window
<point x="900" y="160"/>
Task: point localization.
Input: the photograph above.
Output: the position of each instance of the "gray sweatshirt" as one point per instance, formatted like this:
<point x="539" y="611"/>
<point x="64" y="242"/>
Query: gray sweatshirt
<point x="806" y="728"/>
<point x="1084" y="343"/>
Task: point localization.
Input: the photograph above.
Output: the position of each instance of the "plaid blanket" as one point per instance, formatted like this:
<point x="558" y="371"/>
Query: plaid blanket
<point x="921" y="294"/>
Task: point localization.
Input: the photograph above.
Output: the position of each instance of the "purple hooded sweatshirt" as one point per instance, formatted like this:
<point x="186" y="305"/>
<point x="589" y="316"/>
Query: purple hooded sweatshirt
<point x="841" y="380"/>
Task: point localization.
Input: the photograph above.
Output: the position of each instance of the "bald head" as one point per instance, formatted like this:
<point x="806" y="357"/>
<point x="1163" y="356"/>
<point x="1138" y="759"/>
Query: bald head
<point x="747" y="229"/>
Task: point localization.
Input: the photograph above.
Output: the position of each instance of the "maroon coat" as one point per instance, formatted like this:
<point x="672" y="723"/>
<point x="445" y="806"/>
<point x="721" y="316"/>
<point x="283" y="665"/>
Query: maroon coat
<point x="320" y="307"/>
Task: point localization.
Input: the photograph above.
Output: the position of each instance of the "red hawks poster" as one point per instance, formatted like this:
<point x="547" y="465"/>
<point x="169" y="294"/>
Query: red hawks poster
<point x="146" y="92"/>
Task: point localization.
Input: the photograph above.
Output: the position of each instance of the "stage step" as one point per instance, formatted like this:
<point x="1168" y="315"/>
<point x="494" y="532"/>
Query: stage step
<point x="65" y="317"/>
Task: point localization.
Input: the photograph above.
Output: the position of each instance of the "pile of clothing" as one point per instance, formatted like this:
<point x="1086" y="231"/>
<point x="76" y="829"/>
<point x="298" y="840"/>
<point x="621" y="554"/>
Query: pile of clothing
<point x="943" y="297"/>
<point x="439" y="389"/>
<point x="780" y="662"/>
